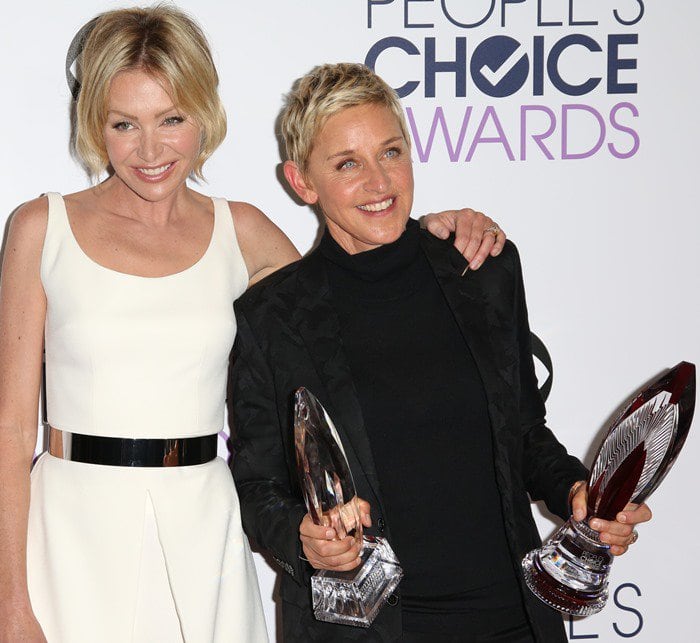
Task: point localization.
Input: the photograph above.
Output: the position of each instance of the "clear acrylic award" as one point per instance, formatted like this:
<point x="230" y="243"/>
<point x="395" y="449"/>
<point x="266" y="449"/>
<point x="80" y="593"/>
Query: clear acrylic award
<point x="354" y="597"/>
<point x="570" y="571"/>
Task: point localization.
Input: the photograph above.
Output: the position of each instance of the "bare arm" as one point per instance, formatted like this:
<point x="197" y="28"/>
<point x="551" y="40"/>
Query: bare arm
<point x="22" y="314"/>
<point x="264" y="246"/>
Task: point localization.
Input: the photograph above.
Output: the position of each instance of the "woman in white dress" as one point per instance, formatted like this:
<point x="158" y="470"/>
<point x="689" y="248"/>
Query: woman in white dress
<point x="133" y="530"/>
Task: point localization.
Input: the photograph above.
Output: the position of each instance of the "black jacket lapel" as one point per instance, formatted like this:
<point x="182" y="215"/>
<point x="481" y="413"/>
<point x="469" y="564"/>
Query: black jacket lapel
<point x="466" y="299"/>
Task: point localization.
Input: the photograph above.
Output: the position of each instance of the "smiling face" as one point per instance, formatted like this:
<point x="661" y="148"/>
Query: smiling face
<point x="152" y="146"/>
<point x="360" y="173"/>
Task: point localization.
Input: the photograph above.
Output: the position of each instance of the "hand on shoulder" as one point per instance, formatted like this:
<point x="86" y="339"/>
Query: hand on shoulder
<point x="477" y="236"/>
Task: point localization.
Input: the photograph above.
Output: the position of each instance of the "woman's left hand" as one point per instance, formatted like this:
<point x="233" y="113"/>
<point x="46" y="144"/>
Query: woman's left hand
<point x="619" y="533"/>
<point x="476" y="235"/>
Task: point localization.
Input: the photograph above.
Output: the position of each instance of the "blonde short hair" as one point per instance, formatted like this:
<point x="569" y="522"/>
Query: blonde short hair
<point x="164" y="42"/>
<point x="324" y="91"/>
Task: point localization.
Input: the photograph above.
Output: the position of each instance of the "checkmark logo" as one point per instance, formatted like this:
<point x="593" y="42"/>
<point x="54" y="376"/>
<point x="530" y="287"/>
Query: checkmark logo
<point x="500" y="66"/>
<point x="495" y="76"/>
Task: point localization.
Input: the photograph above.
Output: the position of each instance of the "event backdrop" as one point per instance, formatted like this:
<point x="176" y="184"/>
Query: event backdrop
<point x="571" y="122"/>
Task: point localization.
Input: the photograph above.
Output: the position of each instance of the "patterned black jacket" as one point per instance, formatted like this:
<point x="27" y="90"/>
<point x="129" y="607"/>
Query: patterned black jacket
<point x="288" y="336"/>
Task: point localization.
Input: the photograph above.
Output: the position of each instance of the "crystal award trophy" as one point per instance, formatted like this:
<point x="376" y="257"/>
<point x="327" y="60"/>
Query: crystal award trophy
<point x="356" y="596"/>
<point x="570" y="571"/>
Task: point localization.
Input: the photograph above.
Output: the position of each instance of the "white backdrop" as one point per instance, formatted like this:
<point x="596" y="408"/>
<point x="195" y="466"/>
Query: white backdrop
<point x="597" y="186"/>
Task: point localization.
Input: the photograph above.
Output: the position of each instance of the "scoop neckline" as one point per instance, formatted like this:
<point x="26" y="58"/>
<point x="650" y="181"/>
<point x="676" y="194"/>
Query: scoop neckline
<point x="102" y="267"/>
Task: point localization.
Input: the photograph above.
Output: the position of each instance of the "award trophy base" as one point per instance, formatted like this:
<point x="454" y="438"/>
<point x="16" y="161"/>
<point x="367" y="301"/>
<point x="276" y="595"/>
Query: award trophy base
<point x="570" y="571"/>
<point x="355" y="597"/>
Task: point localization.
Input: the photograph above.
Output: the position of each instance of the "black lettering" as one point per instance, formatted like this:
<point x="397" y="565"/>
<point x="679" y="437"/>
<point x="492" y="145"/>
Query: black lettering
<point x="625" y="608"/>
<point x="577" y="23"/>
<point x="575" y="637"/>
<point x="538" y="66"/>
<point x="458" y="67"/>
<point x="615" y="63"/>
<point x="370" y="4"/>
<point x="632" y="21"/>
<point x="399" y="43"/>
<point x="542" y="23"/>
<point x="419" y="25"/>
<point x="553" y="65"/>
<point x="503" y="9"/>
<point x="467" y="25"/>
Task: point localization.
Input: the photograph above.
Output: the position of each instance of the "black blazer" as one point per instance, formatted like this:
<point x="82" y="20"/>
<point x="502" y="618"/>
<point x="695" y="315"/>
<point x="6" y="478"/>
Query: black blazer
<point x="288" y="336"/>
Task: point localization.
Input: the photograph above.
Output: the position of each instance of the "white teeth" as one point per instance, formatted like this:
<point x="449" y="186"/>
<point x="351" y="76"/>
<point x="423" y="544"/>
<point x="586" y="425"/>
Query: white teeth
<point x="376" y="207"/>
<point x="154" y="171"/>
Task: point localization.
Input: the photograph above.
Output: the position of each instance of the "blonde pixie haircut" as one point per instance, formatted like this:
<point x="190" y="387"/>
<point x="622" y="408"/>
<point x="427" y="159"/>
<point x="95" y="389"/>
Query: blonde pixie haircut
<point x="164" y="42"/>
<point x="324" y="91"/>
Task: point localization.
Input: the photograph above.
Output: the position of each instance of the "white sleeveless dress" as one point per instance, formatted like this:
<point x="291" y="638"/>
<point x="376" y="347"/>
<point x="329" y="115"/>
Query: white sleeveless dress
<point x="125" y="553"/>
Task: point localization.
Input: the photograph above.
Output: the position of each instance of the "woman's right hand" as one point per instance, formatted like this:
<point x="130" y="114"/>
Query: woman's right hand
<point x="21" y="626"/>
<point x="324" y="550"/>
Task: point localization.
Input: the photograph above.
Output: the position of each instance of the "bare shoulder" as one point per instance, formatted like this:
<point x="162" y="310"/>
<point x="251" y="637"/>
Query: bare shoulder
<point x="28" y="225"/>
<point x="250" y="220"/>
<point x="21" y="261"/>
<point x="264" y="246"/>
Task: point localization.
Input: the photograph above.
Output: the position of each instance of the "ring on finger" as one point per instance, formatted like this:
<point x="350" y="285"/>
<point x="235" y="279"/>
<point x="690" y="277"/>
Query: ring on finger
<point x="493" y="229"/>
<point x="634" y="538"/>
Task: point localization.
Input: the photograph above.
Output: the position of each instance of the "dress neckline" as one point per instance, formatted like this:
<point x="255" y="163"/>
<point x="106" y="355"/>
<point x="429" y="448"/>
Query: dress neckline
<point x="129" y="275"/>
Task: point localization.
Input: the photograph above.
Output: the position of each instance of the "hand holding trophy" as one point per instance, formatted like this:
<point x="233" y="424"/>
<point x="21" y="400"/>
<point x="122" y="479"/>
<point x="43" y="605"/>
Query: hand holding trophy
<point x="354" y="597"/>
<point x="570" y="572"/>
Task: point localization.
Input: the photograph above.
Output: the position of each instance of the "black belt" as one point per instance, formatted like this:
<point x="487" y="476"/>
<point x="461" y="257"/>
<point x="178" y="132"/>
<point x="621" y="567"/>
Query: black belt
<point x="128" y="452"/>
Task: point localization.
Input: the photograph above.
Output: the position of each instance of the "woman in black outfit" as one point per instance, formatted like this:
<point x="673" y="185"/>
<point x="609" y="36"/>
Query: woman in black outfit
<point x="426" y="369"/>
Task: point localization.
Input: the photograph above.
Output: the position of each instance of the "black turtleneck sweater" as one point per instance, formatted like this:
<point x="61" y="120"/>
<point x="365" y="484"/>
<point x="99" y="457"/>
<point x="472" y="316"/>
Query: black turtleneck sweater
<point x="425" y="413"/>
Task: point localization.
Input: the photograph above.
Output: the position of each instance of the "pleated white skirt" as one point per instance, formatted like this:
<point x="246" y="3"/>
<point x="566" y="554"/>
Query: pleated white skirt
<point x="140" y="554"/>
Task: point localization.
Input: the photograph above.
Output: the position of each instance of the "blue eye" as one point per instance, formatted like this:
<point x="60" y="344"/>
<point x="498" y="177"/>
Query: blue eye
<point x="346" y="165"/>
<point x="174" y="120"/>
<point x="393" y="152"/>
<point x="122" y="126"/>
